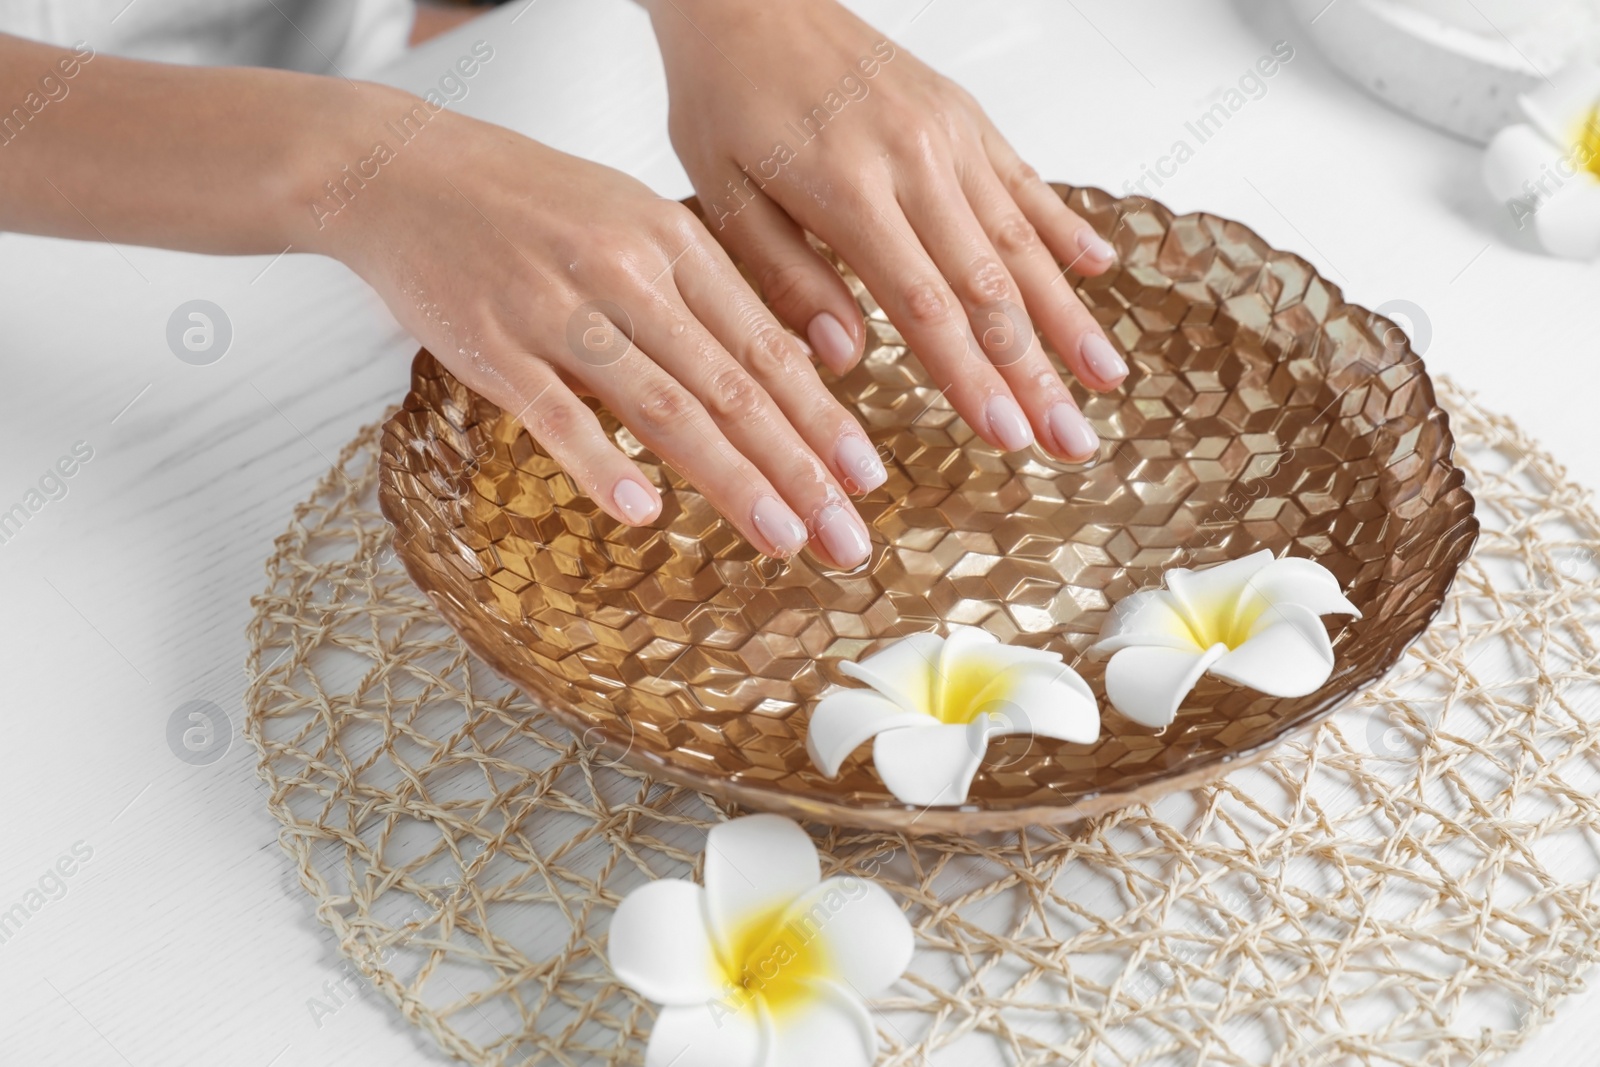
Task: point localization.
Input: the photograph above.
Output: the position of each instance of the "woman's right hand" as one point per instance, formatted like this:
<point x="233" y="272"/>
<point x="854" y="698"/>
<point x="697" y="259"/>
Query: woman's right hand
<point x="513" y="263"/>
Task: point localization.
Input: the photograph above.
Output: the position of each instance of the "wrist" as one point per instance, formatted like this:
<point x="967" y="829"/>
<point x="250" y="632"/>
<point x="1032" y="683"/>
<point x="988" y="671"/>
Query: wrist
<point x="329" y="193"/>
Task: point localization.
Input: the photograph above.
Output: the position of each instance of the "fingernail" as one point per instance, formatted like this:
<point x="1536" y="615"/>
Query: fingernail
<point x="1075" y="438"/>
<point x="1102" y="358"/>
<point x="637" y="504"/>
<point x="1095" y="248"/>
<point x="831" y="342"/>
<point x="863" y="470"/>
<point x="843" y="536"/>
<point x="1007" y="424"/>
<point x="781" y="527"/>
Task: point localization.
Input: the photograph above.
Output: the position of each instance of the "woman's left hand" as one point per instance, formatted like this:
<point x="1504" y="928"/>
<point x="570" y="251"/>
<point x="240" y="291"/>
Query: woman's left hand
<point x="797" y="116"/>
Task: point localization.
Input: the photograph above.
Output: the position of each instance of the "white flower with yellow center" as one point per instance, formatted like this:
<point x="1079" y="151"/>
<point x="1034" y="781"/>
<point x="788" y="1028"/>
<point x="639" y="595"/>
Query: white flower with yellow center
<point x="767" y="965"/>
<point x="934" y="704"/>
<point x="1253" y="621"/>
<point x="1547" y="170"/>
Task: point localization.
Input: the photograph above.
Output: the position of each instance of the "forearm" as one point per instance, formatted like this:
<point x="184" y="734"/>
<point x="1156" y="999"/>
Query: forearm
<point x="434" y="18"/>
<point x="206" y="159"/>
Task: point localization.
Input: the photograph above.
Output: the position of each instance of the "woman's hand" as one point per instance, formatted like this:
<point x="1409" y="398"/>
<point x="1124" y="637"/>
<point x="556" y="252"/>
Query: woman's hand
<point x="798" y="116"/>
<point x="509" y="260"/>
<point x="537" y="277"/>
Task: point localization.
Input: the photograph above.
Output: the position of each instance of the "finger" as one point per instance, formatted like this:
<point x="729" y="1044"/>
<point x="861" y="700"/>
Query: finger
<point x="872" y="235"/>
<point x="753" y="423"/>
<point x="528" y="389"/>
<point x="800" y="286"/>
<point x="715" y="295"/>
<point x="939" y="211"/>
<point x="1070" y="239"/>
<point x="936" y="207"/>
<point x="669" y="421"/>
<point x="1072" y="330"/>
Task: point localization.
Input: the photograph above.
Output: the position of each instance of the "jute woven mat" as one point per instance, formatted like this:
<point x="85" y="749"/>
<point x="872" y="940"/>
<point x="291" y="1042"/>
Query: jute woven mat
<point x="1413" y="884"/>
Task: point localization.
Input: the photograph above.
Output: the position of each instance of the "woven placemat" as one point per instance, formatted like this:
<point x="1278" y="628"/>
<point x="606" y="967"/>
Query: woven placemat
<point x="1413" y="884"/>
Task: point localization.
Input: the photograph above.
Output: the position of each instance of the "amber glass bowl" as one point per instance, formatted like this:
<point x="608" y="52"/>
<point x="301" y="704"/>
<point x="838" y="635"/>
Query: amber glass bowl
<point x="1262" y="411"/>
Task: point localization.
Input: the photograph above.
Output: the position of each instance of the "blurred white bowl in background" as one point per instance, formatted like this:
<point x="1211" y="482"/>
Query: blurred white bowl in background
<point x="1454" y="64"/>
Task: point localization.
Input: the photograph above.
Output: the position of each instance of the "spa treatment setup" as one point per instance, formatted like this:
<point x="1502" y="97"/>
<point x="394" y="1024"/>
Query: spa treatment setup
<point x="1251" y="717"/>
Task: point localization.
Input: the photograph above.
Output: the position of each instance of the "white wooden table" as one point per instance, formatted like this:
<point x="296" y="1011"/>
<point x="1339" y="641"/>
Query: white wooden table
<point x="182" y="938"/>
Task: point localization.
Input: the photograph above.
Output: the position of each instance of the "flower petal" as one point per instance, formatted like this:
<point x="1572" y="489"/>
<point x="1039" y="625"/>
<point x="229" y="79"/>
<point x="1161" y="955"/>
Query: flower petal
<point x="1564" y="101"/>
<point x="970" y="644"/>
<point x="659" y="945"/>
<point x="1047" y="700"/>
<point x="903" y="672"/>
<point x="963" y="639"/>
<point x="1213" y="593"/>
<point x="967" y="642"/>
<point x="865" y="939"/>
<point x="1288" y="654"/>
<point x="1568" y="224"/>
<point x="1293" y="580"/>
<point x="931" y="764"/>
<point x="1514" y="156"/>
<point x="847" y="718"/>
<point x="755" y="864"/>
<point x="832" y="1028"/>
<point x="712" y="1034"/>
<point x="975" y="668"/>
<point x="1151" y="617"/>
<point x="1148" y="684"/>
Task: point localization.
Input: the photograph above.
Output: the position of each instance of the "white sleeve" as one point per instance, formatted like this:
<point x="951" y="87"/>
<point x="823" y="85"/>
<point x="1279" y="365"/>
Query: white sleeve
<point x="380" y="31"/>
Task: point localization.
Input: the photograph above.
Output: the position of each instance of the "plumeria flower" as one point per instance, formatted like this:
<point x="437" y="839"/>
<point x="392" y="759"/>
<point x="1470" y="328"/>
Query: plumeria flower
<point x="934" y="704"/>
<point x="1254" y="621"/>
<point x="1547" y="170"/>
<point x="767" y="965"/>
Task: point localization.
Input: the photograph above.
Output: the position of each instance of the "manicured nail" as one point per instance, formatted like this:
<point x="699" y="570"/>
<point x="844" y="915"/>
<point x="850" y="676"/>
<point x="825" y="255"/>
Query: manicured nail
<point x="1007" y="424"/>
<point x="1102" y="359"/>
<point x="781" y="527"/>
<point x="843" y="536"/>
<point x="1075" y="438"/>
<point x="863" y="470"/>
<point x="637" y="504"/>
<point x="1095" y="248"/>
<point x="831" y="342"/>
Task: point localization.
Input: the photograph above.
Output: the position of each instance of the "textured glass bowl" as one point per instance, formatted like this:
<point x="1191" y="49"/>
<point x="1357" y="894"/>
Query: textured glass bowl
<point x="1261" y="412"/>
